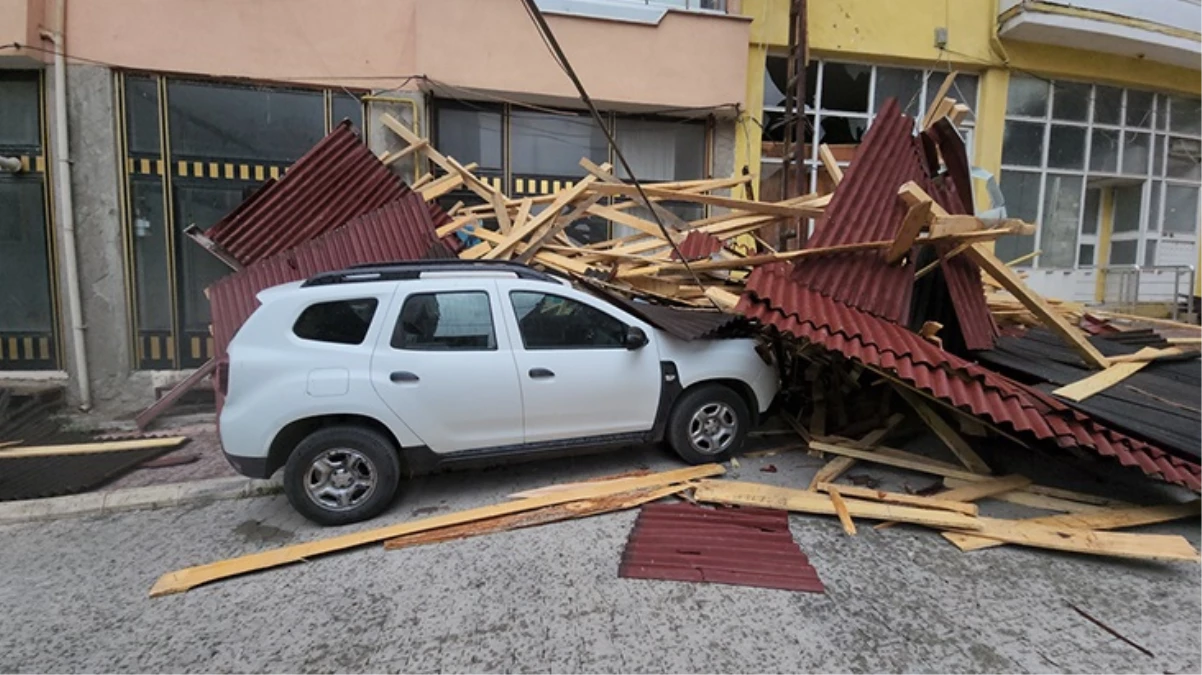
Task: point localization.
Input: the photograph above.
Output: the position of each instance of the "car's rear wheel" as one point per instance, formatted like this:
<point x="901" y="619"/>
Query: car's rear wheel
<point x="708" y="424"/>
<point x="343" y="474"/>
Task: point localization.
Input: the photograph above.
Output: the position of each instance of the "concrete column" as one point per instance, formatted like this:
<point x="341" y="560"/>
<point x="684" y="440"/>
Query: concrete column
<point x="96" y="189"/>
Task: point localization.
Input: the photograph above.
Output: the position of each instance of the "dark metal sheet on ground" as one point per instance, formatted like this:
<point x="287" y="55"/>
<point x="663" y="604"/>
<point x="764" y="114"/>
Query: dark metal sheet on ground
<point x="36" y="477"/>
<point x="739" y="546"/>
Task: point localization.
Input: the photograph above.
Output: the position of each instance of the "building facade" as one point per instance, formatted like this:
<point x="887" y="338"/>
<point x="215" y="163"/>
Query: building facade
<point x="1085" y="112"/>
<point x="177" y="110"/>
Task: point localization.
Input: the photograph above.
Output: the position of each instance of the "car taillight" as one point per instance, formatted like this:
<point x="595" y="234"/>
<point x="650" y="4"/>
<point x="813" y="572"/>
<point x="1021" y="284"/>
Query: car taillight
<point x="223" y="378"/>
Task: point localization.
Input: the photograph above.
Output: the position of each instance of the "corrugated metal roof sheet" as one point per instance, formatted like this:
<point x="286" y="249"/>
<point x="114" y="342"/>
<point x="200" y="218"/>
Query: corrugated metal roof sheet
<point x="399" y="230"/>
<point x="775" y="301"/>
<point x="865" y="207"/>
<point x="336" y="180"/>
<point x="743" y="546"/>
<point x="698" y="246"/>
<point x="36" y="477"/>
<point x="686" y="324"/>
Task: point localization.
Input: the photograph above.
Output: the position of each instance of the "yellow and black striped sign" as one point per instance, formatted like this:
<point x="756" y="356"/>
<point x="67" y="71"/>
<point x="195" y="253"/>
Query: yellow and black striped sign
<point x="242" y="171"/>
<point x="539" y="186"/>
<point x="32" y="163"/>
<point x="24" y="348"/>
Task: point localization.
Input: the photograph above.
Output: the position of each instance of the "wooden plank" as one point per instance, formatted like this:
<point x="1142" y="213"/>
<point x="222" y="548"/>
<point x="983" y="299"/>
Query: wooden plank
<point x="830" y="472"/>
<point x="1152" y="354"/>
<point x="393" y="158"/>
<point x="950" y="254"/>
<point x="963" y="224"/>
<point x="475" y="252"/>
<point x="1092" y="542"/>
<point x="1058" y="493"/>
<point x="791" y="499"/>
<point x="1101" y="519"/>
<point x="547" y="514"/>
<point x="501" y="212"/>
<point x="938" y="503"/>
<point x="1167" y="323"/>
<point x="412" y="138"/>
<point x="621" y="217"/>
<point x="1101" y="380"/>
<point x="906" y="461"/>
<point x="959" y="113"/>
<point x="543" y="218"/>
<point x="916" y="219"/>
<point x="189" y="383"/>
<point x="1006" y="276"/>
<point x="422" y="180"/>
<point x="949" y="436"/>
<point x="555" y="227"/>
<point x="182" y="580"/>
<point x="942" y="108"/>
<point x="840" y="506"/>
<point x="561" y="487"/>
<point x="456" y="225"/>
<point x="91" y="448"/>
<point x="940" y="93"/>
<point x="840" y="465"/>
<point x="986" y="260"/>
<point x="712" y="200"/>
<point x="723" y="298"/>
<point x="830" y="164"/>
<point x="604" y="174"/>
<point x="971" y="492"/>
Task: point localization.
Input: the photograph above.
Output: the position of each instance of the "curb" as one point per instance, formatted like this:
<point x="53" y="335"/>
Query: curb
<point x="133" y="499"/>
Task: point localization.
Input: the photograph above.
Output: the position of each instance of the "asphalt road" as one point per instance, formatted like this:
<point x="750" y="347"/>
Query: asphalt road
<point x="74" y="596"/>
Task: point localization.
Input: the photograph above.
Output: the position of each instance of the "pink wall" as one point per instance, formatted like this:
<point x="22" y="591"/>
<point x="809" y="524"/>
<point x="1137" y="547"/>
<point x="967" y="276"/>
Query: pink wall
<point x="20" y="21"/>
<point x="365" y="43"/>
<point x="687" y="60"/>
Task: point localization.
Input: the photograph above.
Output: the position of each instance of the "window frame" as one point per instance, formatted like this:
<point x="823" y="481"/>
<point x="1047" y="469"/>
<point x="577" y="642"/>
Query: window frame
<point x="518" y="323"/>
<point x="492" y="322"/>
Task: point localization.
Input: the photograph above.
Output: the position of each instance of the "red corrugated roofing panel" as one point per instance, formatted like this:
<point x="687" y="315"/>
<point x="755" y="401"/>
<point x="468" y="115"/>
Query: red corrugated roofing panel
<point x="865" y="207"/>
<point x="400" y="230"/>
<point x="743" y="546"/>
<point x="698" y="246"/>
<point x="336" y="180"/>
<point x="775" y="301"/>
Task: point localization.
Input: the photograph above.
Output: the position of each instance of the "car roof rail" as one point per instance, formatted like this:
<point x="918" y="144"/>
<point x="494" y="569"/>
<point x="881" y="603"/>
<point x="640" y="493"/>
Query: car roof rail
<point x="413" y="269"/>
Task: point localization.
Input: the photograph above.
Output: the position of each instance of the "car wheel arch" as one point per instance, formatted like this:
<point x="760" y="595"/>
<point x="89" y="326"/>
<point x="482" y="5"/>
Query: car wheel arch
<point x="740" y="387"/>
<point x="286" y="440"/>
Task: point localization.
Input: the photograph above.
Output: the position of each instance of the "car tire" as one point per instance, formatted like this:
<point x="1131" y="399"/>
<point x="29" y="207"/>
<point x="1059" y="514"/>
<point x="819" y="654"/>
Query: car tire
<point x="708" y="424"/>
<point x="343" y="474"/>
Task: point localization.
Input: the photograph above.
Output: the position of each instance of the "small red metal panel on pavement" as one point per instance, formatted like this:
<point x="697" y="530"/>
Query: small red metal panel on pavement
<point x="740" y="546"/>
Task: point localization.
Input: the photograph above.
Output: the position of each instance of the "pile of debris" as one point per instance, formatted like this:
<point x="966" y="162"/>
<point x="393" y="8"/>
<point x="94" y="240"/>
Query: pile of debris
<point x="885" y="320"/>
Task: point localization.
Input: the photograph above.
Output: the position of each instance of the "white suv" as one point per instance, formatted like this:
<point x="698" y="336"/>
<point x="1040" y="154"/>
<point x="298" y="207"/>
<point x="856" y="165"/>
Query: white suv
<point x="353" y="378"/>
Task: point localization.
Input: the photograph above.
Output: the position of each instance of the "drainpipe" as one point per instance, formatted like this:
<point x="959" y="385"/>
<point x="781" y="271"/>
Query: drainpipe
<point x="66" y="211"/>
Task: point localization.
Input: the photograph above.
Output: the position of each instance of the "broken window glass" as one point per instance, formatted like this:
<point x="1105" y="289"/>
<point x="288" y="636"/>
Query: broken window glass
<point x="1184" y="158"/>
<point x="845" y="87"/>
<point x="1027" y="96"/>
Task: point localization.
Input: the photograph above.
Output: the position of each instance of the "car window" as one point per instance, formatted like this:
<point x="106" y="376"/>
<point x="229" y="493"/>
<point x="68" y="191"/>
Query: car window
<point x="554" y="322"/>
<point x="451" y="321"/>
<point x="340" y="321"/>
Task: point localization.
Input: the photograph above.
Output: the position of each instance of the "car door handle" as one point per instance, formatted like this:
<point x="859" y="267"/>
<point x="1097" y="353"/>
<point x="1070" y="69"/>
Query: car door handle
<point x="541" y="372"/>
<point x="403" y="376"/>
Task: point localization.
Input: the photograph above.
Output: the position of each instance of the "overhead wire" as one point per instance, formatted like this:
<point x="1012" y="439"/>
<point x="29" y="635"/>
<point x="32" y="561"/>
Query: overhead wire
<point x="552" y="44"/>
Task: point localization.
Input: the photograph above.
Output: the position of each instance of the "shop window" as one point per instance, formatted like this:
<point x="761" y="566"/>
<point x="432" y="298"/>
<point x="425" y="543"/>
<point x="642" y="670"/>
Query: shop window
<point x="142" y="115"/>
<point x="1180" y="209"/>
<point x="1027" y="96"/>
<point x="19" y="104"/>
<point x="552" y="145"/>
<point x="471" y="136"/>
<point x="1022" y="143"/>
<point x="347" y="107"/>
<point x="215" y="121"/>
<point x="1123" y="252"/>
<point x="225" y="140"/>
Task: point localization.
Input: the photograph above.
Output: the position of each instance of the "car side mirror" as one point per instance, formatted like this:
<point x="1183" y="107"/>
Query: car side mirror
<point x="635" y="338"/>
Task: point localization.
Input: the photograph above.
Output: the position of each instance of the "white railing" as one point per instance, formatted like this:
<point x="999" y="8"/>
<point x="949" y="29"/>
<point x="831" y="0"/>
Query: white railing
<point x="1126" y="286"/>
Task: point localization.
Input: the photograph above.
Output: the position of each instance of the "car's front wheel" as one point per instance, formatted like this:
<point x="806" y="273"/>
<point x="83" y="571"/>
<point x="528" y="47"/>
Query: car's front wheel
<point x="343" y="474"/>
<point x="708" y="424"/>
